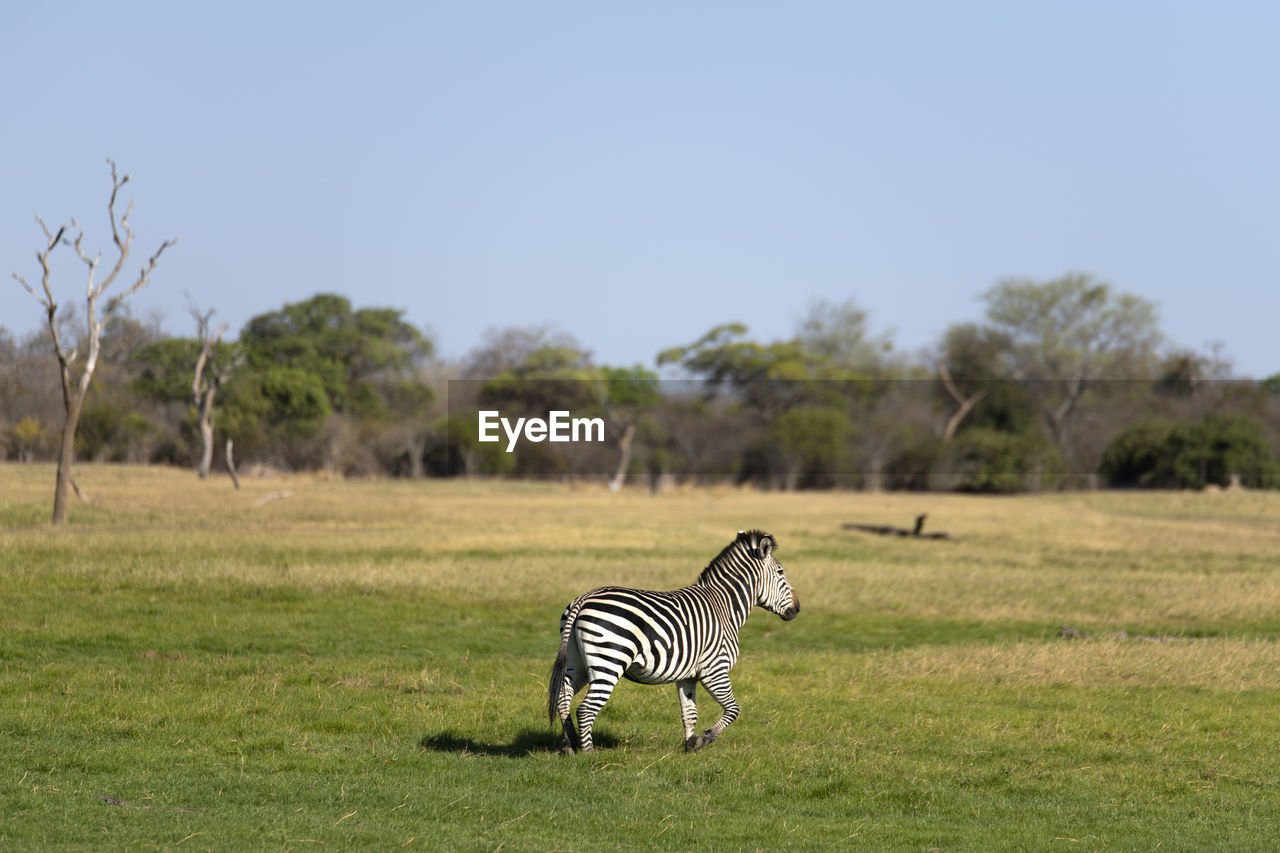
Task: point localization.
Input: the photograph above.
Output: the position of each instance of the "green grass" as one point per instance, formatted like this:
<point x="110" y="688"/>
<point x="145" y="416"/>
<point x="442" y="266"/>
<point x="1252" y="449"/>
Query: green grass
<point x="363" y="664"/>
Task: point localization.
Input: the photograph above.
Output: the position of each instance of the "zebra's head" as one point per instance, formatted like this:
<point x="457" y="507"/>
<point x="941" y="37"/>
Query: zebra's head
<point x="776" y="593"/>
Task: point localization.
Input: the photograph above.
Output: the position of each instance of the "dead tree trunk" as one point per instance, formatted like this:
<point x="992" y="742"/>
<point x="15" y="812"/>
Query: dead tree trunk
<point x="66" y="452"/>
<point x="624" y="457"/>
<point x="210" y="372"/>
<point x="416" y="448"/>
<point x="206" y="439"/>
<point x="231" y="466"/>
<point x="74" y="389"/>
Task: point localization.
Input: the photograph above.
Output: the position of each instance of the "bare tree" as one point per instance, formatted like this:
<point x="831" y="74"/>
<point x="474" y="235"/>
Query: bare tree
<point x="213" y="368"/>
<point x="74" y="388"/>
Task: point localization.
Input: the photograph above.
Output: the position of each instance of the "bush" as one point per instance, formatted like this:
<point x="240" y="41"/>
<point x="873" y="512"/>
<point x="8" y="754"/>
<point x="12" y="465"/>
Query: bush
<point x="109" y="433"/>
<point x="988" y="460"/>
<point x="1158" y="453"/>
<point x="29" y="439"/>
<point x="1136" y="457"/>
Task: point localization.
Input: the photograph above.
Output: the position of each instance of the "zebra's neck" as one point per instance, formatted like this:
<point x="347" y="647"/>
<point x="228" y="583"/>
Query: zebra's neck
<point x="733" y="572"/>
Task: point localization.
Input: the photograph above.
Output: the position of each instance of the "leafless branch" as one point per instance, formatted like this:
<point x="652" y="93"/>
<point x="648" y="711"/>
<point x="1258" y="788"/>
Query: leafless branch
<point x="91" y="263"/>
<point x="116" y="184"/>
<point x="47" y="301"/>
<point x="948" y="383"/>
<point x="209" y="340"/>
<point x="22" y="281"/>
<point x="53" y="241"/>
<point x="144" y="278"/>
<point x="80" y="493"/>
<point x="43" y="257"/>
<point x="966" y="403"/>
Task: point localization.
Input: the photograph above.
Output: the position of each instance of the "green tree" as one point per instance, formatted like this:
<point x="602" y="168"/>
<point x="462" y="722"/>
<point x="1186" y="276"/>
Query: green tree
<point x="347" y="350"/>
<point x="812" y="442"/>
<point x="838" y="336"/>
<point x="551" y="377"/>
<point x="977" y="361"/>
<point x="769" y="378"/>
<point x="830" y="364"/>
<point x="556" y="375"/>
<point x="270" y="412"/>
<point x="162" y="370"/>
<point x="322" y="357"/>
<point x="1060" y="338"/>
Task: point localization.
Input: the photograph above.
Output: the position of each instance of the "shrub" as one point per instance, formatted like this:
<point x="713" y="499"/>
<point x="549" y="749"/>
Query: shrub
<point x="1162" y="454"/>
<point x="988" y="460"/>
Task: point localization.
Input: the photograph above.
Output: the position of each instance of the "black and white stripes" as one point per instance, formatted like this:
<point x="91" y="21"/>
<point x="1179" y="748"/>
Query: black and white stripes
<point x="683" y="636"/>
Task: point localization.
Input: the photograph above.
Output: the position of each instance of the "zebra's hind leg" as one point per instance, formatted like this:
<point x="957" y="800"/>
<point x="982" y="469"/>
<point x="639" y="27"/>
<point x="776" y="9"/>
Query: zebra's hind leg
<point x="598" y="692"/>
<point x="574" y="680"/>
<point x="722" y="691"/>
<point x="569" y="743"/>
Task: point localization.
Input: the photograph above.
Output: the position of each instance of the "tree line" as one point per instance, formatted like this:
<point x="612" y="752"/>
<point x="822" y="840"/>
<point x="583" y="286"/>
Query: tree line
<point x="1064" y="383"/>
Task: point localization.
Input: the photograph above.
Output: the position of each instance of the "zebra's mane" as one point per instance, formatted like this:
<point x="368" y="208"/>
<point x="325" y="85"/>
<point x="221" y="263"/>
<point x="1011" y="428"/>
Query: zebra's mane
<point x="748" y="540"/>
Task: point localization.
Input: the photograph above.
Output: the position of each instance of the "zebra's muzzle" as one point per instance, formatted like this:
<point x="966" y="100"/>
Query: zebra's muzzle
<point x="790" y="612"/>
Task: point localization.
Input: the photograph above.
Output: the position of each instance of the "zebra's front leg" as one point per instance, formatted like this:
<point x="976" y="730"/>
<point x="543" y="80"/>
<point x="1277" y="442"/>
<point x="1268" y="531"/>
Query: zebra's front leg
<point x="722" y="691"/>
<point x="688" y="710"/>
<point x="597" y="694"/>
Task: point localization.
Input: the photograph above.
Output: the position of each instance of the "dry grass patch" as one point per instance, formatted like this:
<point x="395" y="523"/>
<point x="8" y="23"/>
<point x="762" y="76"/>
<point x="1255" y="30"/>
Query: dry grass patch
<point x="1228" y="665"/>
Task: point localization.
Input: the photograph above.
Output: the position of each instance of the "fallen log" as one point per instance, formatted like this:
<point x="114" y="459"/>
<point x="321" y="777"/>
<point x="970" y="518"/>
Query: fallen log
<point x="916" y="532"/>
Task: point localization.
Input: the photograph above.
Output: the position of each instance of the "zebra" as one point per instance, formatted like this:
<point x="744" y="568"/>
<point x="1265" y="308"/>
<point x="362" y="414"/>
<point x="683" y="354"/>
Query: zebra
<point x="683" y="636"/>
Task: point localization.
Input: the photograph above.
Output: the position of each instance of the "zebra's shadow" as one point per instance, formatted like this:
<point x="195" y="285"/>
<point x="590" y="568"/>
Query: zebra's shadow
<point x="526" y="742"/>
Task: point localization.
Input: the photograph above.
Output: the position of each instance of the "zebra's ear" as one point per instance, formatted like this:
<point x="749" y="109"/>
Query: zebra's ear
<point x="766" y="547"/>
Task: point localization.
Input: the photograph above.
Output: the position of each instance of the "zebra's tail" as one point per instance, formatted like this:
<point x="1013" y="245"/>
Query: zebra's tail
<point x="556" y="685"/>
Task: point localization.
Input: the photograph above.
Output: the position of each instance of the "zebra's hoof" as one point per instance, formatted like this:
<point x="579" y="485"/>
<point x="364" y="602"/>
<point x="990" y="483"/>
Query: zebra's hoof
<point x="696" y="742"/>
<point x="566" y="750"/>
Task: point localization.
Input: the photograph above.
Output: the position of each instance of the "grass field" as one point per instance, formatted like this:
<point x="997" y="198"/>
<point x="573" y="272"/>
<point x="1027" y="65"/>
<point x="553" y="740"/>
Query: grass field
<point x="363" y="664"/>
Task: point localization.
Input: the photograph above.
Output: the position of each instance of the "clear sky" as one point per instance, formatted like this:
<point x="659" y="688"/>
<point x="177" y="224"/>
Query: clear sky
<point x="637" y="173"/>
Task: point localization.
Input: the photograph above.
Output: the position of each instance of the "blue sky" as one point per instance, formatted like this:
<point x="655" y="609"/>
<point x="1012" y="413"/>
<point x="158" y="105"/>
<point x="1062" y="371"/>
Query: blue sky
<point x="637" y="173"/>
